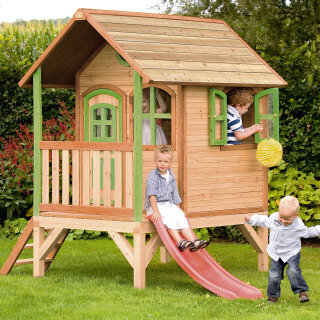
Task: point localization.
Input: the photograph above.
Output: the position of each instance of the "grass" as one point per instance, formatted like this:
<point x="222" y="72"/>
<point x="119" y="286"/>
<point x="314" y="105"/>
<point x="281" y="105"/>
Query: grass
<point x="92" y="280"/>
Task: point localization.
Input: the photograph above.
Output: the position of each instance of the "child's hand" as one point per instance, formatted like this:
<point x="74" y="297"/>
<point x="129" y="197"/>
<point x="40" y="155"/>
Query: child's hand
<point x="156" y="215"/>
<point x="247" y="218"/>
<point x="257" y="127"/>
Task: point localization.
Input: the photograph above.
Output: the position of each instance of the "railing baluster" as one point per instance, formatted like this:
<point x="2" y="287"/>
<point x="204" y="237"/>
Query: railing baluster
<point x="85" y="178"/>
<point x="55" y="177"/>
<point x="106" y="179"/>
<point x="65" y="177"/>
<point x="118" y="180"/>
<point x="129" y="179"/>
<point x="75" y="178"/>
<point x="45" y="176"/>
<point x="96" y="178"/>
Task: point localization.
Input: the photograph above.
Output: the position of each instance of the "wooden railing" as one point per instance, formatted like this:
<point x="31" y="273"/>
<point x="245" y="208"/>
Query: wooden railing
<point x="87" y="177"/>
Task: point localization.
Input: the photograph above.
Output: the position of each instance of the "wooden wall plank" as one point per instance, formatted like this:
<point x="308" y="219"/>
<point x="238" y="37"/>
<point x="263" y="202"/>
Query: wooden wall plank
<point x="111" y="72"/>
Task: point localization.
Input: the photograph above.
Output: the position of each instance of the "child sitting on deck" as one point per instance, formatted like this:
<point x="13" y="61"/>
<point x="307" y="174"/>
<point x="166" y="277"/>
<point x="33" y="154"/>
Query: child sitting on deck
<point x="239" y="101"/>
<point x="284" y="248"/>
<point x="163" y="201"/>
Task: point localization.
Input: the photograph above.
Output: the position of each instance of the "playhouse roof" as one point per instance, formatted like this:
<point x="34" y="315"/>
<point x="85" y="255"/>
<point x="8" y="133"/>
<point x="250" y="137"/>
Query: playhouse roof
<point x="161" y="48"/>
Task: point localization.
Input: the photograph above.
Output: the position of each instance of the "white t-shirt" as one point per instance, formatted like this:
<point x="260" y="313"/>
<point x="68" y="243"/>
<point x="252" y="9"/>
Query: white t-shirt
<point x="166" y="175"/>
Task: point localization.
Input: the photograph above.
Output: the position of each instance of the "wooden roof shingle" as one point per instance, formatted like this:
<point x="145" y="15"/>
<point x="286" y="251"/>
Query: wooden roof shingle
<point x="161" y="48"/>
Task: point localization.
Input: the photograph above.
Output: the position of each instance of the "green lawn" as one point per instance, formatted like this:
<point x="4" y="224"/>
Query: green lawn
<point x="92" y="280"/>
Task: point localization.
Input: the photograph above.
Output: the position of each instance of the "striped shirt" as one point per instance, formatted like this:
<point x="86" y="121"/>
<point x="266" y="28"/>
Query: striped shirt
<point x="234" y="124"/>
<point x="284" y="242"/>
<point x="158" y="186"/>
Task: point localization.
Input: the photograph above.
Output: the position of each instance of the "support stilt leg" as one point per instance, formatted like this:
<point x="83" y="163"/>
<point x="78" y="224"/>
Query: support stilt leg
<point x="38" y="239"/>
<point x="164" y="254"/>
<point x="263" y="257"/>
<point x="139" y="269"/>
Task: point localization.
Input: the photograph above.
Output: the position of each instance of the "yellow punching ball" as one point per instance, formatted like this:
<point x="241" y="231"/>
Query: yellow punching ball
<point x="269" y="152"/>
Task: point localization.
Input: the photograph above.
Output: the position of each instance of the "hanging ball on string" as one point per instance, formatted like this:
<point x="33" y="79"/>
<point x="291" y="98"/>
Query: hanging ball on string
<point x="269" y="152"/>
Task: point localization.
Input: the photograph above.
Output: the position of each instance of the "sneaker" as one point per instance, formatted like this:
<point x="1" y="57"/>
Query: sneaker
<point x="303" y="297"/>
<point x="272" y="300"/>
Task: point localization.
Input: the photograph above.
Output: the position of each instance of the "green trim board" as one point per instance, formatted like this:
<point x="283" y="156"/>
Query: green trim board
<point x="214" y="118"/>
<point x="37" y="137"/>
<point x="137" y="150"/>
<point x="274" y="116"/>
<point x="122" y="61"/>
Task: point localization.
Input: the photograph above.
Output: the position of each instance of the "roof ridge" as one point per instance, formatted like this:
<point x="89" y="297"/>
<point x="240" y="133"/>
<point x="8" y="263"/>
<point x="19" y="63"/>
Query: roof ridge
<point x="149" y="15"/>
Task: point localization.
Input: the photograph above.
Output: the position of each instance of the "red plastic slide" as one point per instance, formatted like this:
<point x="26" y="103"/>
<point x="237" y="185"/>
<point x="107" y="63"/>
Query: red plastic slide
<point x="201" y="267"/>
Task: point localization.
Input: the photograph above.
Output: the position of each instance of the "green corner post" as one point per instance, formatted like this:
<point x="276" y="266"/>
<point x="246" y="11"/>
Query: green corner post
<point x="137" y="151"/>
<point x="37" y="137"/>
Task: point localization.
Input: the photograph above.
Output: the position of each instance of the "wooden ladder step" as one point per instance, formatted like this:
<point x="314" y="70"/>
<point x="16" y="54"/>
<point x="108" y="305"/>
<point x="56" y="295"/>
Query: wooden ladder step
<point x="30" y="245"/>
<point x="22" y="262"/>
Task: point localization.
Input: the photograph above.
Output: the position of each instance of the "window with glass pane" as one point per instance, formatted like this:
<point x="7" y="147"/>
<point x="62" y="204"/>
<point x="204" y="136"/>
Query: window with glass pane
<point x="103" y="125"/>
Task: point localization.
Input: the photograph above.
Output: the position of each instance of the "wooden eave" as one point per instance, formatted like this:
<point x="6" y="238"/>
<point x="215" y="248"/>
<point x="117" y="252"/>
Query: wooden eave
<point x="161" y="48"/>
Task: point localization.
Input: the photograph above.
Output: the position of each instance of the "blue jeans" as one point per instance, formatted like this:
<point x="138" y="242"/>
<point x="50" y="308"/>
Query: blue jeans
<point x="295" y="277"/>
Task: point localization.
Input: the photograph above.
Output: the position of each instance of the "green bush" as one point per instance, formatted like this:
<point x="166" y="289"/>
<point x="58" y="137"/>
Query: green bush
<point x="12" y="228"/>
<point x="285" y="180"/>
<point x="16" y="169"/>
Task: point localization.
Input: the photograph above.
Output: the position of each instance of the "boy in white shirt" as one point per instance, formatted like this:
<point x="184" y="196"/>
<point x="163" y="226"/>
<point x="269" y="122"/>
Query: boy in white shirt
<point x="286" y="231"/>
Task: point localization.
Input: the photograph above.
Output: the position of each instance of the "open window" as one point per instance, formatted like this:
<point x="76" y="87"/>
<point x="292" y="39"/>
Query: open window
<point x="265" y="112"/>
<point x="158" y="107"/>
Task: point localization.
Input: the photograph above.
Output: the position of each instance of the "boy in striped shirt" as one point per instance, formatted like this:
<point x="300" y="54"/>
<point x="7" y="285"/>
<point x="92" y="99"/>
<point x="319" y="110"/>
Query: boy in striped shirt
<point x="239" y="101"/>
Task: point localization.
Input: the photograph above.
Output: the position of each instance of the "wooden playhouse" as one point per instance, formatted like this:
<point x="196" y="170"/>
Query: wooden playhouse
<point x="97" y="182"/>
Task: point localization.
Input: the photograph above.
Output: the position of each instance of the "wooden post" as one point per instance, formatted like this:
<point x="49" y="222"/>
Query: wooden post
<point x="139" y="268"/>
<point x="137" y="152"/>
<point x="164" y="254"/>
<point x="263" y="257"/>
<point x="38" y="239"/>
<point x="259" y="243"/>
<point x="37" y="132"/>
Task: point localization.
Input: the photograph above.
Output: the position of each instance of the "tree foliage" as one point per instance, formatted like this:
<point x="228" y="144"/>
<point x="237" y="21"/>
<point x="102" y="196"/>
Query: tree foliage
<point x="21" y="45"/>
<point x="286" y="34"/>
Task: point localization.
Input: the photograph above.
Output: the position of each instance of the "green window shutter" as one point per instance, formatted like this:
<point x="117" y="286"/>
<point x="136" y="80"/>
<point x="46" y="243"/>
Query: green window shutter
<point x="217" y="118"/>
<point x="267" y="114"/>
